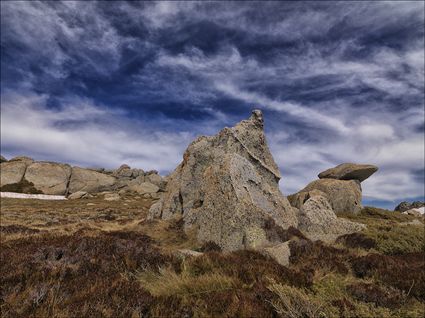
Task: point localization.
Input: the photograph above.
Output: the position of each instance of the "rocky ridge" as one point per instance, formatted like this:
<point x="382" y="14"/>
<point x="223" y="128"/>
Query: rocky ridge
<point x="23" y="174"/>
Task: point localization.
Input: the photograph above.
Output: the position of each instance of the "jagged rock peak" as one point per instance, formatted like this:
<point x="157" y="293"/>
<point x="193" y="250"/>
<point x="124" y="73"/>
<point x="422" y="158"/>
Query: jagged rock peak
<point x="227" y="188"/>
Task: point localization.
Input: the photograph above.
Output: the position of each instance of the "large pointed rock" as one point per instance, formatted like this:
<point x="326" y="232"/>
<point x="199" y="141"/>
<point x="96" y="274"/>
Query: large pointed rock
<point x="349" y="171"/>
<point x="226" y="188"/>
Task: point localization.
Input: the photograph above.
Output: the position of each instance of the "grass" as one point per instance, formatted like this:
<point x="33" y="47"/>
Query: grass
<point x="166" y="282"/>
<point x="387" y="232"/>
<point x="94" y="258"/>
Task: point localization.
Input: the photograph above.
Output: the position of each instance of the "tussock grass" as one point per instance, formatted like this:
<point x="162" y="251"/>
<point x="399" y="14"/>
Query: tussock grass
<point x="166" y="282"/>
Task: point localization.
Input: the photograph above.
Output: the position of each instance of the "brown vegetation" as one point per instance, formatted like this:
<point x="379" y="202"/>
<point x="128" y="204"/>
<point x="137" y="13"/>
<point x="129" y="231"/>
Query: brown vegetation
<point x="92" y="257"/>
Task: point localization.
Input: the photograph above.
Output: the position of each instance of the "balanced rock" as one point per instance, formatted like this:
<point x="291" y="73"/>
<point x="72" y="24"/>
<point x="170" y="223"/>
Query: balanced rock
<point x="343" y="195"/>
<point x="226" y="188"/>
<point x="12" y="172"/>
<point x="49" y="177"/>
<point x="318" y="221"/>
<point x="89" y="181"/>
<point x="349" y="171"/>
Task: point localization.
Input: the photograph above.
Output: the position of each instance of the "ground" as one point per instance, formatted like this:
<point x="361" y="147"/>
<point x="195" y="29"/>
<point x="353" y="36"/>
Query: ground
<point x="98" y="258"/>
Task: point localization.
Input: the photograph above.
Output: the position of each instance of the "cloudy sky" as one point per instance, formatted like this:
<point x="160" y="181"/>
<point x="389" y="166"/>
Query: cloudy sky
<point x="106" y="83"/>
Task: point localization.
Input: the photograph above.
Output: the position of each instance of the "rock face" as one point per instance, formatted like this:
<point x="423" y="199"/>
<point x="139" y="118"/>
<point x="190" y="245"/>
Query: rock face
<point x="318" y="221"/>
<point x="227" y="188"/>
<point x="12" y="172"/>
<point x="49" y="177"/>
<point x="89" y="181"/>
<point x="343" y="195"/>
<point x="404" y="206"/>
<point x="2" y="159"/>
<point x="349" y="171"/>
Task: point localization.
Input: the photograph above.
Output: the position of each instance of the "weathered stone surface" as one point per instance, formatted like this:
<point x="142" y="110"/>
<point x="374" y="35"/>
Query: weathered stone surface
<point x="26" y="160"/>
<point x="404" y="206"/>
<point x="89" y="181"/>
<point x="112" y="197"/>
<point x="298" y="199"/>
<point x="49" y="177"/>
<point x="349" y="171"/>
<point x="124" y="171"/>
<point x="227" y="187"/>
<point x="154" y="178"/>
<point x="280" y="252"/>
<point x="415" y="211"/>
<point x="78" y="195"/>
<point x="318" y="221"/>
<point x="145" y="187"/>
<point x="12" y="172"/>
<point x="2" y="159"/>
<point x="343" y="195"/>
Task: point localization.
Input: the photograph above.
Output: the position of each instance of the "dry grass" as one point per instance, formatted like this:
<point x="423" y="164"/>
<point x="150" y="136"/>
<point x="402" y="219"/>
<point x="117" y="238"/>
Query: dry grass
<point x="166" y="282"/>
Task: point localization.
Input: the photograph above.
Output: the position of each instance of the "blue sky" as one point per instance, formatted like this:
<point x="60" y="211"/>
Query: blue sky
<point x="106" y="83"/>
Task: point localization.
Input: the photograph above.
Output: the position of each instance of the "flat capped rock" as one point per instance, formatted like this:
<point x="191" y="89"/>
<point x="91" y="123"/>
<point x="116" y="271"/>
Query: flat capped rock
<point x="49" y="177"/>
<point x="226" y="188"/>
<point x="349" y="171"/>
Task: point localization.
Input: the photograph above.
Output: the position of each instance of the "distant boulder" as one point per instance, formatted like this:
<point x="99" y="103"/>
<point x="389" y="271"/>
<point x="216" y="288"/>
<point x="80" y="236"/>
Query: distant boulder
<point x="49" y="177"/>
<point x="349" y="171"/>
<point x="404" y="206"/>
<point x="89" y="181"/>
<point x="2" y="159"/>
<point x="12" y="172"/>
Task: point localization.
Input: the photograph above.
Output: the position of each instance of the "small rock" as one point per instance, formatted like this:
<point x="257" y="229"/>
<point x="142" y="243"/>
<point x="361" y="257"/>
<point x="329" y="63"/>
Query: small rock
<point x="280" y="252"/>
<point x="90" y="204"/>
<point x="183" y="253"/>
<point x="112" y="197"/>
<point x="78" y="195"/>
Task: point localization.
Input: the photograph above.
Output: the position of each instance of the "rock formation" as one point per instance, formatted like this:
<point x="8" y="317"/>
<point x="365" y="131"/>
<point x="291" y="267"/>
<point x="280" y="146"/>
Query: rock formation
<point x="339" y="185"/>
<point x="318" y="221"/>
<point x="227" y="188"/>
<point x="23" y="174"/>
<point x="49" y="177"/>
<point x="405" y="206"/>
<point x="343" y="195"/>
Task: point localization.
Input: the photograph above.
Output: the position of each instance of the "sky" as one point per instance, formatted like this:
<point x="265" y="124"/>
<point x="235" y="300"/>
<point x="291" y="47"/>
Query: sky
<point x="99" y="84"/>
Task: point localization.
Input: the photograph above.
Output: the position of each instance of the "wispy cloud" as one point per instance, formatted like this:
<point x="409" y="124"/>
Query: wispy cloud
<point x="101" y="83"/>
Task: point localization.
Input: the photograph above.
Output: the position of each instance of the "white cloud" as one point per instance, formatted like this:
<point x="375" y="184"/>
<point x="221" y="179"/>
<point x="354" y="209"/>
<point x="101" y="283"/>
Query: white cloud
<point x="100" y="139"/>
